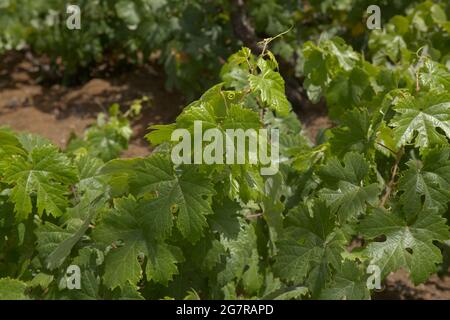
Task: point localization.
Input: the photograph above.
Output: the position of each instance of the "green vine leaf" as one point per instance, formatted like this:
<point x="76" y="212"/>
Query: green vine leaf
<point x="189" y="190"/>
<point x="429" y="180"/>
<point x="45" y="173"/>
<point x="349" y="201"/>
<point x="422" y="115"/>
<point x="407" y="245"/>
<point x="311" y="244"/>
<point x="126" y="229"/>
<point x="348" y="284"/>
<point x="12" y="289"/>
<point x="270" y="85"/>
<point x="349" y="197"/>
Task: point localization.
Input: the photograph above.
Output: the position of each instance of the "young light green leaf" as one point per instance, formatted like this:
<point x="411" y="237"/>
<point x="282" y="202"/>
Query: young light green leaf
<point x="12" y="289"/>
<point x="45" y="173"/>
<point x="270" y="85"/>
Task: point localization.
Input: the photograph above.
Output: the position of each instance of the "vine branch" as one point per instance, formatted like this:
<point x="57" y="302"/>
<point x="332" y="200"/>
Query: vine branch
<point x="391" y="183"/>
<point x="242" y="27"/>
<point x="244" y="30"/>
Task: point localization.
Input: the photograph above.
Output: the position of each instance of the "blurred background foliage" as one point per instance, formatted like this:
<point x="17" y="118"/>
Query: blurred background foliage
<point x="191" y="39"/>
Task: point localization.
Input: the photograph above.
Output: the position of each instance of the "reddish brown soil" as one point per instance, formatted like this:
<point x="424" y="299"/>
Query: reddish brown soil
<point x="398" y="286"/>
<point x="57" y="111"/>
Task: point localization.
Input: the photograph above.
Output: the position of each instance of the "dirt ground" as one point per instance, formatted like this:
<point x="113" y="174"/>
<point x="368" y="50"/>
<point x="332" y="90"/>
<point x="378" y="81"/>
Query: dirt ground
<point x="398" y="286"/>
<point x="55" y="112"/>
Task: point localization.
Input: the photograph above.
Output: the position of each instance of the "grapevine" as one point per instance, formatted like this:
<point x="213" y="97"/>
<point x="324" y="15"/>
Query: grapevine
<point x="147" y="228"/>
